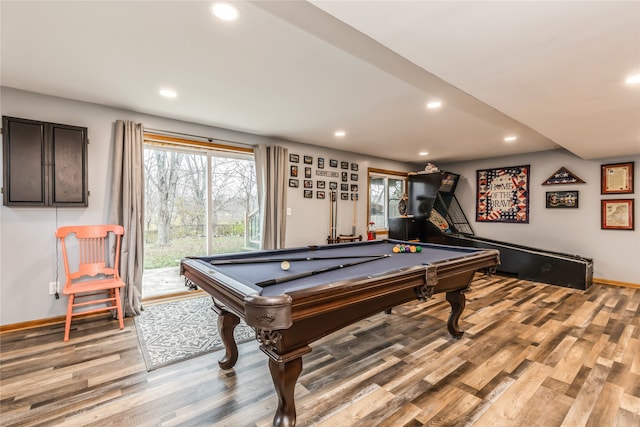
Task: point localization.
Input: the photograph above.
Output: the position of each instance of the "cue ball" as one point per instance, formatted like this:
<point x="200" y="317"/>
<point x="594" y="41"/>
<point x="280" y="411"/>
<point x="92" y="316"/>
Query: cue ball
<point x="285" y="265"/>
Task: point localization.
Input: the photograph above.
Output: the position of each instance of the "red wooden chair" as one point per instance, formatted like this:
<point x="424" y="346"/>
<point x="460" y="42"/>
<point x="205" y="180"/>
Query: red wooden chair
<point x="92" y="271"/>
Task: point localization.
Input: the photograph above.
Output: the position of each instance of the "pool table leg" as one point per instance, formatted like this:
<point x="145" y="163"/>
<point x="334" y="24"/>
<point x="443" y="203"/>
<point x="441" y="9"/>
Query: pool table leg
<point x="227" y="322"/>
<point x="457" y="301"/>
<point x="285" y="375"/>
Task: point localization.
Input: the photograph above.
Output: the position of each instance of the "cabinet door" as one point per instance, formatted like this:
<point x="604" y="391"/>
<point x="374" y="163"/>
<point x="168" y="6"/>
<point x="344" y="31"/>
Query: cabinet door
<point x="24" y="155"/>
<point x="45" y="164"/>
<point x="68" y="165"/>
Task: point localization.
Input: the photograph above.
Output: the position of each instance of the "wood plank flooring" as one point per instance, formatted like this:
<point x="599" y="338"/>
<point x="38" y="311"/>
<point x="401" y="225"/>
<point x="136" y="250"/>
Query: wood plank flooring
<point x="532" y="355"/>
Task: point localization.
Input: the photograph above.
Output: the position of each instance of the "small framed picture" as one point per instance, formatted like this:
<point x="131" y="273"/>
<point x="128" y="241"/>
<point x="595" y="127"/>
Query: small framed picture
<point x="307" y="172"/>
<point x="308" y="160"/>
<point x="294" y="158"/>
<point x="354" y="177"/>
<point x="344" y="196"/>
<point x="319" y="194"/>
<point x="308" y="194"/>
<point x="293" y="183"/>
<point x="562" y="199"/>
<point x="617" y="178"/>
<point x="354" y="166"/>
<point x="354" y="196"/>
<point x="294" y="171"/>
<point x="333" y="163"/>
<point x="333" y="185"/>
<point x="308" y="183"/>
<point x="617" y="214"/>
<point x="344" y="165"/>
<point x="345" y="177"/>
<point x="344" y="187"/>
<point x="320" y="184"/>
<point x="320" y="162"/>
<point x="354" y="188"/>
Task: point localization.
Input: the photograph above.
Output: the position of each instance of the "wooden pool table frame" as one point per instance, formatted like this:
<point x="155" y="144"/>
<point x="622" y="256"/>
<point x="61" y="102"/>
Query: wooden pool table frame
<point x="286" y="324"/>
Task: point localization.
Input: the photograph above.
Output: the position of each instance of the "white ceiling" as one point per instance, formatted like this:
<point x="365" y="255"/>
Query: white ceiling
<point x="550" y="72"/>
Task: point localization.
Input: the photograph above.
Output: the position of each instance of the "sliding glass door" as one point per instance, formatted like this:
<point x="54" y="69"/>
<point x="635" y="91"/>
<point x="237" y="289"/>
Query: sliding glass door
<point x="197" y="202"/>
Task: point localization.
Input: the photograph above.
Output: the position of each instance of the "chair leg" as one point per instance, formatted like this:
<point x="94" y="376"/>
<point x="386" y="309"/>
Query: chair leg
<point x="67" y="324"/>
<point x="119" y="307"/>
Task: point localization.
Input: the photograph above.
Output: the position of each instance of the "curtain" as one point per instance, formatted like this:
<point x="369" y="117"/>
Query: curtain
<point x="271" y="171"/>
<point x="127" y="208"/>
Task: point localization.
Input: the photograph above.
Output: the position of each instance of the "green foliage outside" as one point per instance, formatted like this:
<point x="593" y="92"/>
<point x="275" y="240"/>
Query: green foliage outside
<point x="170" y="255"/>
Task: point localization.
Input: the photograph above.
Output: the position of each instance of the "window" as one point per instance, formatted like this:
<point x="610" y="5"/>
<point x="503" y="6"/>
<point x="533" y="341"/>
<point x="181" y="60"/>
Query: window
<point x="199" y="200"/>
<point x="385" y="191"/>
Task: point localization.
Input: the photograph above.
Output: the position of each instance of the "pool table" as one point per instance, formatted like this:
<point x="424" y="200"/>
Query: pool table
<point x="292" y="297"/>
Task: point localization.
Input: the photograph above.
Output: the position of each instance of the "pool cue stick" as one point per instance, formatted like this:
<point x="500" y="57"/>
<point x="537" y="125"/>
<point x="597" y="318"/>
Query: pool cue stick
<point x="284" y="279"/>
<point x="353" y="226"/>
<point x="266" y="260"/>
<point x="330" y="217"/>
<point x="334" y="213"/>
<point x="330" y="220"/>
<point x="329" y="235"/>
<point x="335" y="225"/>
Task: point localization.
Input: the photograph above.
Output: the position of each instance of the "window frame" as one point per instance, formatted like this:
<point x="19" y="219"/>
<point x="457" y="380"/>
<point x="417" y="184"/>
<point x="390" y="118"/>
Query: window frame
<point x="207" y="149"/>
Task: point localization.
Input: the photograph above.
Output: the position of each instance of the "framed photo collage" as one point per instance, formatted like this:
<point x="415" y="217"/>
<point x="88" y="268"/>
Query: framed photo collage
<point x="322" y="177"/>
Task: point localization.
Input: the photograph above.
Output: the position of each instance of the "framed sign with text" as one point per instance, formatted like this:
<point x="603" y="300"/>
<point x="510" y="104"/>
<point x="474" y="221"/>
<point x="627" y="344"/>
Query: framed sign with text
<point x="617" y="178"/>
<point x="503" y="195"/>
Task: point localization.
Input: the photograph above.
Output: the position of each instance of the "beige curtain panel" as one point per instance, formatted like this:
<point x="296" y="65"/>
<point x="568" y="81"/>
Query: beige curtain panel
<point x="127" y="208"/>
<point x="271" y="171"/>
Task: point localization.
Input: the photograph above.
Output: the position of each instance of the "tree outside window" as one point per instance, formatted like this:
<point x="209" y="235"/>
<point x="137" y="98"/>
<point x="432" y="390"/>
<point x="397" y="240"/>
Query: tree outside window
<point x="197" y="202"/>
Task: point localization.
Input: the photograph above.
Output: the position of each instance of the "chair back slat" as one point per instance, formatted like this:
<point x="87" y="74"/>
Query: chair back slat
<point x="91" y="250"/>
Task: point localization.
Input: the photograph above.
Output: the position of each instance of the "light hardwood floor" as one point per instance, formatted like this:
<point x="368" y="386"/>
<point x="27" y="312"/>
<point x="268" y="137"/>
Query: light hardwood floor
<point x="532" y="355"/>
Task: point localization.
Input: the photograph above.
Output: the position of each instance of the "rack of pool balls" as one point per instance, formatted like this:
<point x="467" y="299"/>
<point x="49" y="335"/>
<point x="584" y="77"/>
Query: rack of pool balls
<point x="401" y="249"/>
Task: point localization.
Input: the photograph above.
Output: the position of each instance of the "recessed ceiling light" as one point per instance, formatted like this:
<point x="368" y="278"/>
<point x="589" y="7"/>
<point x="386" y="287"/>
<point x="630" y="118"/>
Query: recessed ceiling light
<point x="168" y="93"/>
<point x="434" y="104"/>
<point x="340" y="133"/>
<point x="423" y="153"/>
<point x="632" y="80"/>
<point x="510" y="138"/>
<point x="225" y="11"/>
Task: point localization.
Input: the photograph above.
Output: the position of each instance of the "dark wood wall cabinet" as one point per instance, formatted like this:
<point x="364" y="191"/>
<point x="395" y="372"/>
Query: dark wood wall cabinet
<point x="45" y="164"/>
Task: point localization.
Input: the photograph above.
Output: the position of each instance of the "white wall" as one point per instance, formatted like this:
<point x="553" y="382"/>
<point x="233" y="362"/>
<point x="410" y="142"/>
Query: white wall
<point x="616" y="253"/>
<point x="29" y="257"/>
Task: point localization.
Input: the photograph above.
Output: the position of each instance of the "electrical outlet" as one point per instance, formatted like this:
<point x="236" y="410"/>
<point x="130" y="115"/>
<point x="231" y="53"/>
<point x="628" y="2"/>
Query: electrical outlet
<point x="53" y="288"/>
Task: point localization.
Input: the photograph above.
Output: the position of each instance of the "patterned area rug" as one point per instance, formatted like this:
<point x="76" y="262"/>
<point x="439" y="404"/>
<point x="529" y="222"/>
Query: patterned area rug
<point x="180" y="330"/>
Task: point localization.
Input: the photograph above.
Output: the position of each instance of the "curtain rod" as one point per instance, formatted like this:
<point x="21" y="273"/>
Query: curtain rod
<point x="207" y="138"/>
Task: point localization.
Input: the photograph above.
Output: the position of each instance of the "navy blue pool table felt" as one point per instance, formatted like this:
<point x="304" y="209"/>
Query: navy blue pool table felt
<point x="278" y="280"/>
<point x="263" y="260"/>
<point x="253" y="274"/>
